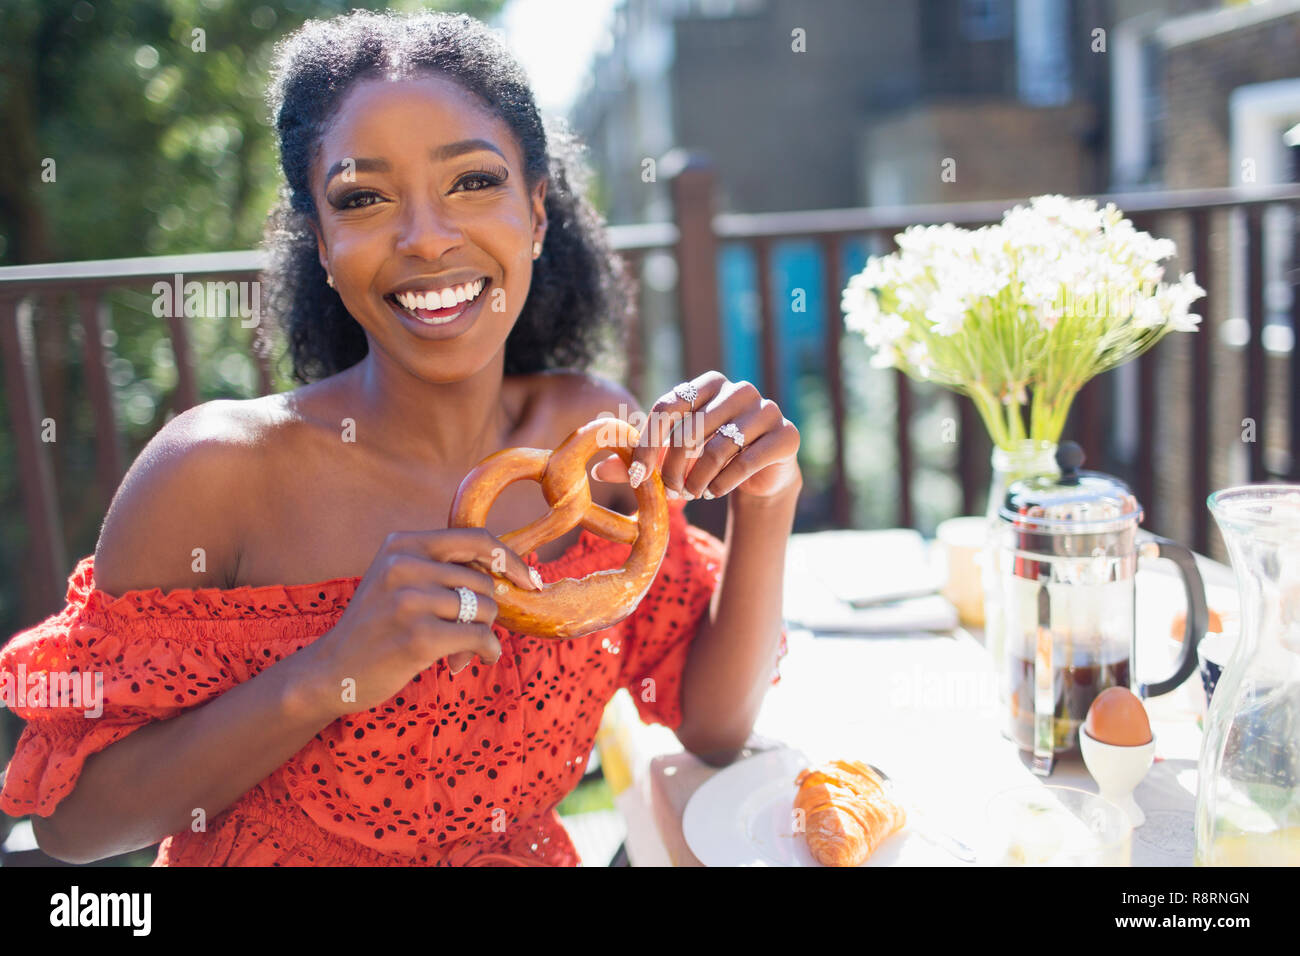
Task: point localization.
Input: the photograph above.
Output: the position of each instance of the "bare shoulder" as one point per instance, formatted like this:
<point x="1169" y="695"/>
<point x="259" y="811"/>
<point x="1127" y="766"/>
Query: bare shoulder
<point x="574" y="398"/>
<point x="172" y="523"/>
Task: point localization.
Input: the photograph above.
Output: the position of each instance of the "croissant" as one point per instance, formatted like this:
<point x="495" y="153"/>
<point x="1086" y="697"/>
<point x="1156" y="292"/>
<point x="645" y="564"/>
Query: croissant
<point x="847" y="812"/>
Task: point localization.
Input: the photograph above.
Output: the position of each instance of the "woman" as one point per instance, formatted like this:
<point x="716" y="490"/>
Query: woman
<point x="284" y="669"/>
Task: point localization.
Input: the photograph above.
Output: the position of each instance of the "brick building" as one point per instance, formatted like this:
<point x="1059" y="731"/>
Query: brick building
<point x="1024" y="96"/>
<point x="842" y="102"/>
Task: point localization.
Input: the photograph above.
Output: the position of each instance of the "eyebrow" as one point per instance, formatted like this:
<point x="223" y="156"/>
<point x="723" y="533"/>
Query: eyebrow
<point x="439" y="155"/>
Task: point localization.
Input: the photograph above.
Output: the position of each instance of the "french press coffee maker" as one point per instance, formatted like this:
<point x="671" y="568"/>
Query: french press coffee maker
<point x="1069" y="548"/>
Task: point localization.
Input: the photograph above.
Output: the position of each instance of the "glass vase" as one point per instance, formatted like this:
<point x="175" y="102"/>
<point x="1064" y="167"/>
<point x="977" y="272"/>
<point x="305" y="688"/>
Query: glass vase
<point x="1025" y="459"/>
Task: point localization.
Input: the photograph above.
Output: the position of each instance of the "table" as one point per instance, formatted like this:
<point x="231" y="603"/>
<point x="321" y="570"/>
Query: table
<point x="924" y="707"/>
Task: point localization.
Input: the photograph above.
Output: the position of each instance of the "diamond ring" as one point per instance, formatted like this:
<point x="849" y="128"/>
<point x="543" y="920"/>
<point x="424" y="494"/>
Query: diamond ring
<point x="735" y="434"/>
<point x="687" y="393"/>
<point x="468" y="605"/>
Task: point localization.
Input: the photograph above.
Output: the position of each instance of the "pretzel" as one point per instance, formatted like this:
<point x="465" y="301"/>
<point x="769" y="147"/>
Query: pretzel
<point x="570" y="607"/>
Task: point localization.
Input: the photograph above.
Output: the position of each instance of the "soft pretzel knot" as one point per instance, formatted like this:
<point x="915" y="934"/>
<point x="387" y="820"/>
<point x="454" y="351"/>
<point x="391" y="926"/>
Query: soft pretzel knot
<point x="570" y="607"/>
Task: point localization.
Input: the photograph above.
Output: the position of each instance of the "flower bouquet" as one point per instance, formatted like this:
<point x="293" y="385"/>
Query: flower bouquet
<point x="1019" y="316"/>
<point x="1023" y="313"/>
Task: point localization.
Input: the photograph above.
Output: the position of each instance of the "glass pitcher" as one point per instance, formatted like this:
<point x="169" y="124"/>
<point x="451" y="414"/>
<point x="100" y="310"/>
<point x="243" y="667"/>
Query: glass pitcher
<point x="1248" y="793"/>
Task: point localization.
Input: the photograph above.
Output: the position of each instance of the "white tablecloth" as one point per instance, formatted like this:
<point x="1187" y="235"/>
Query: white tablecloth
<point x="923" y="707"/>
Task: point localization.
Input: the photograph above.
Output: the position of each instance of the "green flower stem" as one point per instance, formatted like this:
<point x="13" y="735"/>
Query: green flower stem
<point x="1016" y="424"/>
<point x="987" y="406"/>
<point x="1038" y="414"/>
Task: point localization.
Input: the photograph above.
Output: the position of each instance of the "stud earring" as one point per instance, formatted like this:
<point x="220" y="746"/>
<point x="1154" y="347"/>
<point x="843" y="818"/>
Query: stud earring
<point x="329" y="280"/>
<point x="537" y="249"/>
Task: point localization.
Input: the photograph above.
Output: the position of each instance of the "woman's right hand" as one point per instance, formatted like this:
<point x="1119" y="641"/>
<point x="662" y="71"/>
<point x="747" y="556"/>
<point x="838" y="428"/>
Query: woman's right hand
<point x="402" y="617"/>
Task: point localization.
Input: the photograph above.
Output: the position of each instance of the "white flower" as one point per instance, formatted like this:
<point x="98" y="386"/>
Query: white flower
<point x="883" y="359"/>
<point x="888" y="329"/>
<point x="1111" y="217"/>
<point x="947" y="313"/>
<point x="878" y="272"/>
<point x="1181" y="296"/>
<point x="1041" y="293"/>
<point x="914" y="296"/>
<point x="1150" y="272"/>
<point x="1148" y="312"/>
<point x="923" y="241"/>
<point x="859" y="303"/>
<point x="1077" y="215"/>
<point x="918" y="356"/>
<point x="1189" y="289"/>
<point x="1159" y="249"/>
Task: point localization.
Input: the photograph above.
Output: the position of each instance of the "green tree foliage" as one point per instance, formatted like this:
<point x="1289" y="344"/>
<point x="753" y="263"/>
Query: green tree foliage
<point x="154" y="113"/>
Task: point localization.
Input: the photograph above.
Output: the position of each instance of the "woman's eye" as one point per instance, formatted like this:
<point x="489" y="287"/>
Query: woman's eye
<point x="358" y="200"/>
<point x="487" y="180"/>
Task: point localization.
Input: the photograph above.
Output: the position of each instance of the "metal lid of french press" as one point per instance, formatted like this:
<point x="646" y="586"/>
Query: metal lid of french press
<point x="1077" y="502"/>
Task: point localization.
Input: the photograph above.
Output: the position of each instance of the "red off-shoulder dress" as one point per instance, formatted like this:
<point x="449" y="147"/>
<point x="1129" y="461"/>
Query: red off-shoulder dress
<point x="453" y="770"/>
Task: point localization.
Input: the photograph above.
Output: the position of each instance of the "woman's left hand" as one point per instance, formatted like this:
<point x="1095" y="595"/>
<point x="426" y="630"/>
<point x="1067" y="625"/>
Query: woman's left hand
<point x="753" y="454"/>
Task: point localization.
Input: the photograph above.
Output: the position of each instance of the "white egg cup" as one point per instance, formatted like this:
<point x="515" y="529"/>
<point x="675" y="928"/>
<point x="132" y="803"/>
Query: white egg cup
<point x="1118" y="770"/>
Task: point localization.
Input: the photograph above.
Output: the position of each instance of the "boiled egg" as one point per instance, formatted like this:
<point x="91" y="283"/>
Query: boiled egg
<point x="1118" y="718"/>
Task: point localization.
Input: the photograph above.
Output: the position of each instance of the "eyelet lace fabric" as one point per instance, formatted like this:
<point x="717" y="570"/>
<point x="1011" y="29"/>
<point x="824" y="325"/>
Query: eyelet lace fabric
<point x="453" y="770"/>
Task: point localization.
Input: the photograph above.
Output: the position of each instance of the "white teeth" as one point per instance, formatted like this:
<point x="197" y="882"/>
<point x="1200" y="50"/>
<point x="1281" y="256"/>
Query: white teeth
<point x="440" y="299"/>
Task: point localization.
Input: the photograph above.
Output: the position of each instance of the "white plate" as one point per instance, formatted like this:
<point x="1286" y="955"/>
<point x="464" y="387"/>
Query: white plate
<point x="743" y="816"/>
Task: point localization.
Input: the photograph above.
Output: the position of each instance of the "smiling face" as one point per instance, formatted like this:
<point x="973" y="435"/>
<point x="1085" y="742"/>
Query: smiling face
<point x="420" y="190"/>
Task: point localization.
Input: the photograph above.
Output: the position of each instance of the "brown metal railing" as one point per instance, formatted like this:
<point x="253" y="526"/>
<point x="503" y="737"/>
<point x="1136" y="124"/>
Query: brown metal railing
<point x="1194" y="207"/>
<point x="695" y="238"/>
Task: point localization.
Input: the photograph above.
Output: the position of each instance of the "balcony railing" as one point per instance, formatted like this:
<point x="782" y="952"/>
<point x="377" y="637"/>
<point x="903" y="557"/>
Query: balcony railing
<point x="696" y="239"/>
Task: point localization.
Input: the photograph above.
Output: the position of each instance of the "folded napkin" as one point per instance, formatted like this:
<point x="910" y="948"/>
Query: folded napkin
<point x="864" y="582"/>
<point x="868" y="567"/>
<point x="927" y="614"/>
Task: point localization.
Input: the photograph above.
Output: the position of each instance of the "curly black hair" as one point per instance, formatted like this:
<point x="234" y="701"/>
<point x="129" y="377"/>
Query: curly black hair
<point x="580" y="292"/>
